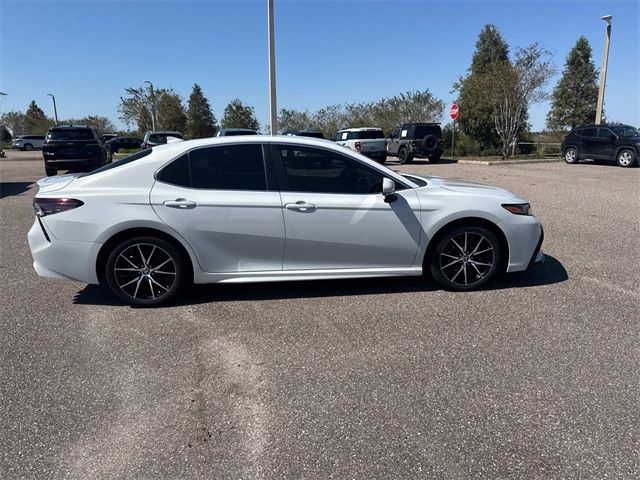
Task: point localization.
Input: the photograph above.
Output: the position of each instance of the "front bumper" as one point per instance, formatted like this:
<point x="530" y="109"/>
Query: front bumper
<point x="61" y="259"/>
<point x="525" y="236"/>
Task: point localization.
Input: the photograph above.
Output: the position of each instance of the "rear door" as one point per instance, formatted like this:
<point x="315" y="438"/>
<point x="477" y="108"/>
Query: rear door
<point x="588" y="143"/>
<point x="336" y="217"/>
<point x="220" y="201"/>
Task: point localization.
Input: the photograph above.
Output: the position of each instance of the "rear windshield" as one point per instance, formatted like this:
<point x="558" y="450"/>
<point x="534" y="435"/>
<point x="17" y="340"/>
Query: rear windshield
<point x="424" y="130"/>
<point x="71" y="134"/>
<point x="162" y="137"/>
<point x="118" y="163"/>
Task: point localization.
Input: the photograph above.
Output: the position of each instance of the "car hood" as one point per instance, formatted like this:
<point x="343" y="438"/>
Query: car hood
<point x="471" y="188"/>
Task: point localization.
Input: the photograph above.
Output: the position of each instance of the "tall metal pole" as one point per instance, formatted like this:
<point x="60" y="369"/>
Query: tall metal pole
<point x="2" y="95"/>
<point x="603" y="71"/>
<point x="453" y="140"/>
<point x="55" y="109"/>
<point x="273" y="117"/>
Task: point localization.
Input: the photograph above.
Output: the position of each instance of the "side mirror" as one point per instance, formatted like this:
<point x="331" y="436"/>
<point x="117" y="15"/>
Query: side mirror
<point x="388" y="189"/>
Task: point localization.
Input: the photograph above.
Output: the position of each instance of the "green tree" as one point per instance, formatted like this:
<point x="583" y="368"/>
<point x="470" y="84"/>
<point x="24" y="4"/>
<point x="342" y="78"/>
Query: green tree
<point x="239" y="115"/>
<point x="171" y="112"/>
<point x="575" y="96"/>
<point x="103" y="124"/>
<point x="476" y="118"/>
<point x="290" y="119"/>
<point x="201" y="122"/>
<point x="36" y="122"/>
<point x="14" y="121"/>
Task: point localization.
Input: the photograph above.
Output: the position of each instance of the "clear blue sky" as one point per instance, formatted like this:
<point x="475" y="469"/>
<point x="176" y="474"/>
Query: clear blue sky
<point x="87" y="52"/>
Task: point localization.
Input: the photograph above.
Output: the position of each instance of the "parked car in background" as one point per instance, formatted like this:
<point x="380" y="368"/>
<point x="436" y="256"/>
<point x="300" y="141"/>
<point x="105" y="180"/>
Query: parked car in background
<point x="151" y="139"/>
<point x="109" y="136"/>
<point x="73" y="147"/>
<point x="416" y="140"/>
<point x="264" y="209"/>
<point x="370" y="142"/>
<point x="118" y="143"/>
<point x="610" y="143"/>
<point x="28" y="142"/>
<point x="303" y="133"/>
<point x="231" y="132"/>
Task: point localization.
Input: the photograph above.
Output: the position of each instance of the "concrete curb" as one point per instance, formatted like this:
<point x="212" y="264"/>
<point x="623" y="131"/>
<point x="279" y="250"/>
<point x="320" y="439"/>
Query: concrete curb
<point x="509" y="162"/>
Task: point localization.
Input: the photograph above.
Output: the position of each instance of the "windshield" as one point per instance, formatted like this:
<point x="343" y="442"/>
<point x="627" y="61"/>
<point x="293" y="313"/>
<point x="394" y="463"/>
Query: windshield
<point x="626" y="131"/>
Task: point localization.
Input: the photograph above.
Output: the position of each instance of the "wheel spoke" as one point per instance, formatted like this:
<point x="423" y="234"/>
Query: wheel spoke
<point x="482" y="251"/>
<point x="148" y="260"/>
<point x="129" y="269"/>
<point x="129" y="283"/>
<point x="161" y="265"/>
<point x="450" y="256"/>
<point x="480" y="263"/>
<point x="456" y="244"/>
<point x="161" y="286"/>
<point x="153" y="295"/>
<point x="144" y="263"/>
<point x="457" y="260"/>
<point x="130" y="262"/>
<point x="164" y="273"/>
<point x="135" y="294"/>
<point x="479" y="273"/>
<point x="464" y="265"/>
<point x="458" y="273"/>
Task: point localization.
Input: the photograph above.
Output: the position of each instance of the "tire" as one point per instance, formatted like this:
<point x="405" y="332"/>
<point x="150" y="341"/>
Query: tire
<point x="626" y="158"/>
<point x="50" y="171"/>
<point x="133" y="271"/>
<point x="28" y="147"/>
<point x="382" y="159"/>
<point x="571" y="156"/>
<point x="434" y="159"/>
<point x="453" y="263"/>
<point x="404" y="157"/>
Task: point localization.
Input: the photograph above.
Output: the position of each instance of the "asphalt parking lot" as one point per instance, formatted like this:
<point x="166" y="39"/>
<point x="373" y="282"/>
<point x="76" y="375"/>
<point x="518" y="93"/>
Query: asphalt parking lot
<point x="536" y="377"/>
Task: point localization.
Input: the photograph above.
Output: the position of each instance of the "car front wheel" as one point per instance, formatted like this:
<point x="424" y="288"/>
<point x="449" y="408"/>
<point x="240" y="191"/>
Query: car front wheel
<point x="626" y="158"/>
<point x="28" y="147"/>
<point x="465" y="258"/>
<point x="145" y="271"/>
<point x="571" y="155"/>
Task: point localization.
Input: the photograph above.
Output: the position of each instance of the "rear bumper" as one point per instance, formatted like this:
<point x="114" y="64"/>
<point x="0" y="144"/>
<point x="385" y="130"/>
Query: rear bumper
<point x="65" y="260"/>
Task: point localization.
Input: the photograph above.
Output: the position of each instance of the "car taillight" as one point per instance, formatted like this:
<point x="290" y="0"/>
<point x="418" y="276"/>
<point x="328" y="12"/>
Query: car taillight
<point x="358" y="146"/>
<point x="49" y="206"/>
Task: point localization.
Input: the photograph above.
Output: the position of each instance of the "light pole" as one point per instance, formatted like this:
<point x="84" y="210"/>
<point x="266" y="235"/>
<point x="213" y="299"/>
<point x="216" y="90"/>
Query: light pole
<point x="273" y="120"/>
<point x="55" y="110"/>
<point x="2" y="95"/>
<point x="603" y="71"/>
<point x="153" y="106"/>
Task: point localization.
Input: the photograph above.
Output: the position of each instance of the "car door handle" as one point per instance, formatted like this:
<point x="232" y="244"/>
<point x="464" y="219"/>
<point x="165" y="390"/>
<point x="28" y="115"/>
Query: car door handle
<point x="182" y="203"/>
<point x="301" y="205"/>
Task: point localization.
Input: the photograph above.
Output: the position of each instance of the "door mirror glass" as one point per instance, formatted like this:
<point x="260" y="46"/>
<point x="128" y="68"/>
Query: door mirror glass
<point x="388" y="187"/>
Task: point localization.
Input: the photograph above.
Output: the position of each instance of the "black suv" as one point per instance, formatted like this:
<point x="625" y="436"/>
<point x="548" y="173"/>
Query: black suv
<point x="115" y="144"/>
<point x="416" y="140"/>
<point x="73" y="147"/>
<point x="613" y="143"/>
<point x="303" y="133"/>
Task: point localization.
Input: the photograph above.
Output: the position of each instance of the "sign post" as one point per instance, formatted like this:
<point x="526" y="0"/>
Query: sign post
<point x="453" y="113"/>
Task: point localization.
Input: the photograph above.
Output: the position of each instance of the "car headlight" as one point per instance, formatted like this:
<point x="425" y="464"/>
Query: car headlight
<point x="518" y="208"/>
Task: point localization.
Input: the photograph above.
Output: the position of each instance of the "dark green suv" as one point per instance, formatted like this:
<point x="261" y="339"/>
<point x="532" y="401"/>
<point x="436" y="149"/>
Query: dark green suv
<point x="416" y="140"/>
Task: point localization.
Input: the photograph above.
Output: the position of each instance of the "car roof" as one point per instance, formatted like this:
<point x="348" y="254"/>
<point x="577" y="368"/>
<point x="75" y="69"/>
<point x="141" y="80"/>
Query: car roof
<point x="360" y="129"/>
<point x="236" y="130"/>
<point x="71" y="126"/>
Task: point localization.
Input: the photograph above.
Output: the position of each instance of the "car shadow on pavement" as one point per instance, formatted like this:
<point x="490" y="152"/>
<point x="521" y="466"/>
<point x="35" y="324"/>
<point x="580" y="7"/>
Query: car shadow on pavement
<point x="8" y="189"/>
<point x="550" y="272"/>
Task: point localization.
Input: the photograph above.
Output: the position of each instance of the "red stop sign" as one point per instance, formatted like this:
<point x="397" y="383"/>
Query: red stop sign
<point x="453" y="111"/>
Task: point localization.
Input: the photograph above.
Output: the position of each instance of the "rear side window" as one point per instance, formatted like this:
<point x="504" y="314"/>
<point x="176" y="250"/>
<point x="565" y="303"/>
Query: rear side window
<point x="227" y="167"/>
<point x="71" y="134"/>
<point x="424" y="130"/>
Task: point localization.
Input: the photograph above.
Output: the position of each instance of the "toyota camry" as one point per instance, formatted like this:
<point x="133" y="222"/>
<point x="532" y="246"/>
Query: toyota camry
<point x="264" y="209"/>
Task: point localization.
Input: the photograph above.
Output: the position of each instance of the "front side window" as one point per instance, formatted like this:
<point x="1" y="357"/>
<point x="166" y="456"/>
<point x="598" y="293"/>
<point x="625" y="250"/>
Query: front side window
<point x="322" y="171"/>
<point x="604" y="133"/>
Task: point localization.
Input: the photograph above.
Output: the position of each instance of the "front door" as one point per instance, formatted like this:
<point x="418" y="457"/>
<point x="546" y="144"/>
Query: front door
<point x="336" y="217"/>
<point x="394" y="142"/>
<point x="218" y="200"/>
<point x="605" y="145"/>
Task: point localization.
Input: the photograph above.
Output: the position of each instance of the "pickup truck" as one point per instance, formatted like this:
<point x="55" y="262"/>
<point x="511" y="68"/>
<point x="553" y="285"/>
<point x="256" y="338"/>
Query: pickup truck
<point x="370" y="142"/>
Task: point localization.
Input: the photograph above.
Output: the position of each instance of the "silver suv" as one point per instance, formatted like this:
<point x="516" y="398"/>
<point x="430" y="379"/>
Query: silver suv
<point x="151" y="139"/>
<point x="28" y="142"/>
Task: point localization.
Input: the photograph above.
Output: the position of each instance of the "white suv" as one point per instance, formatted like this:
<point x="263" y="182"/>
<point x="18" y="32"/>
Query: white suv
<point x="370" y="142"/>
<point x="28" y="142"/>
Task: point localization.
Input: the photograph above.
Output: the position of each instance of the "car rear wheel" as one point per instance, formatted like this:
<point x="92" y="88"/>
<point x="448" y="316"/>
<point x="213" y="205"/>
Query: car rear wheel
<point x="626" y="158"/>
<point x="145" y="271"/>
<point x="571" y="155"/>
<point x="382" y="159"/>
<point x="403" y="156"/>
<point x="28" y="147"/>
<point x="465" y="258"/>
<point x="434" y="159"/>
<point x="50" y="171"/>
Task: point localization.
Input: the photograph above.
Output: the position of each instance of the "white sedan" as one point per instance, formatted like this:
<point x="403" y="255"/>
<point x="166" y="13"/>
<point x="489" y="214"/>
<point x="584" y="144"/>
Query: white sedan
<point x="264" y="209"/>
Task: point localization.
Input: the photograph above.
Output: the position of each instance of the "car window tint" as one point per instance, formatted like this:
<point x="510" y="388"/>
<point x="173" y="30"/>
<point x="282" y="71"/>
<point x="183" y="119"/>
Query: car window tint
<point x="177" y="172"/>
<point x="322" y="171"/>
<point x="119" y="163"/>
<point x="71" y="134"/>
<point x="158" y="138"/>
<point x="604" y="133"/>
<point x="424" y="130"/>
<point x="589" y="132"/>
<point x="228" y="167"/>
